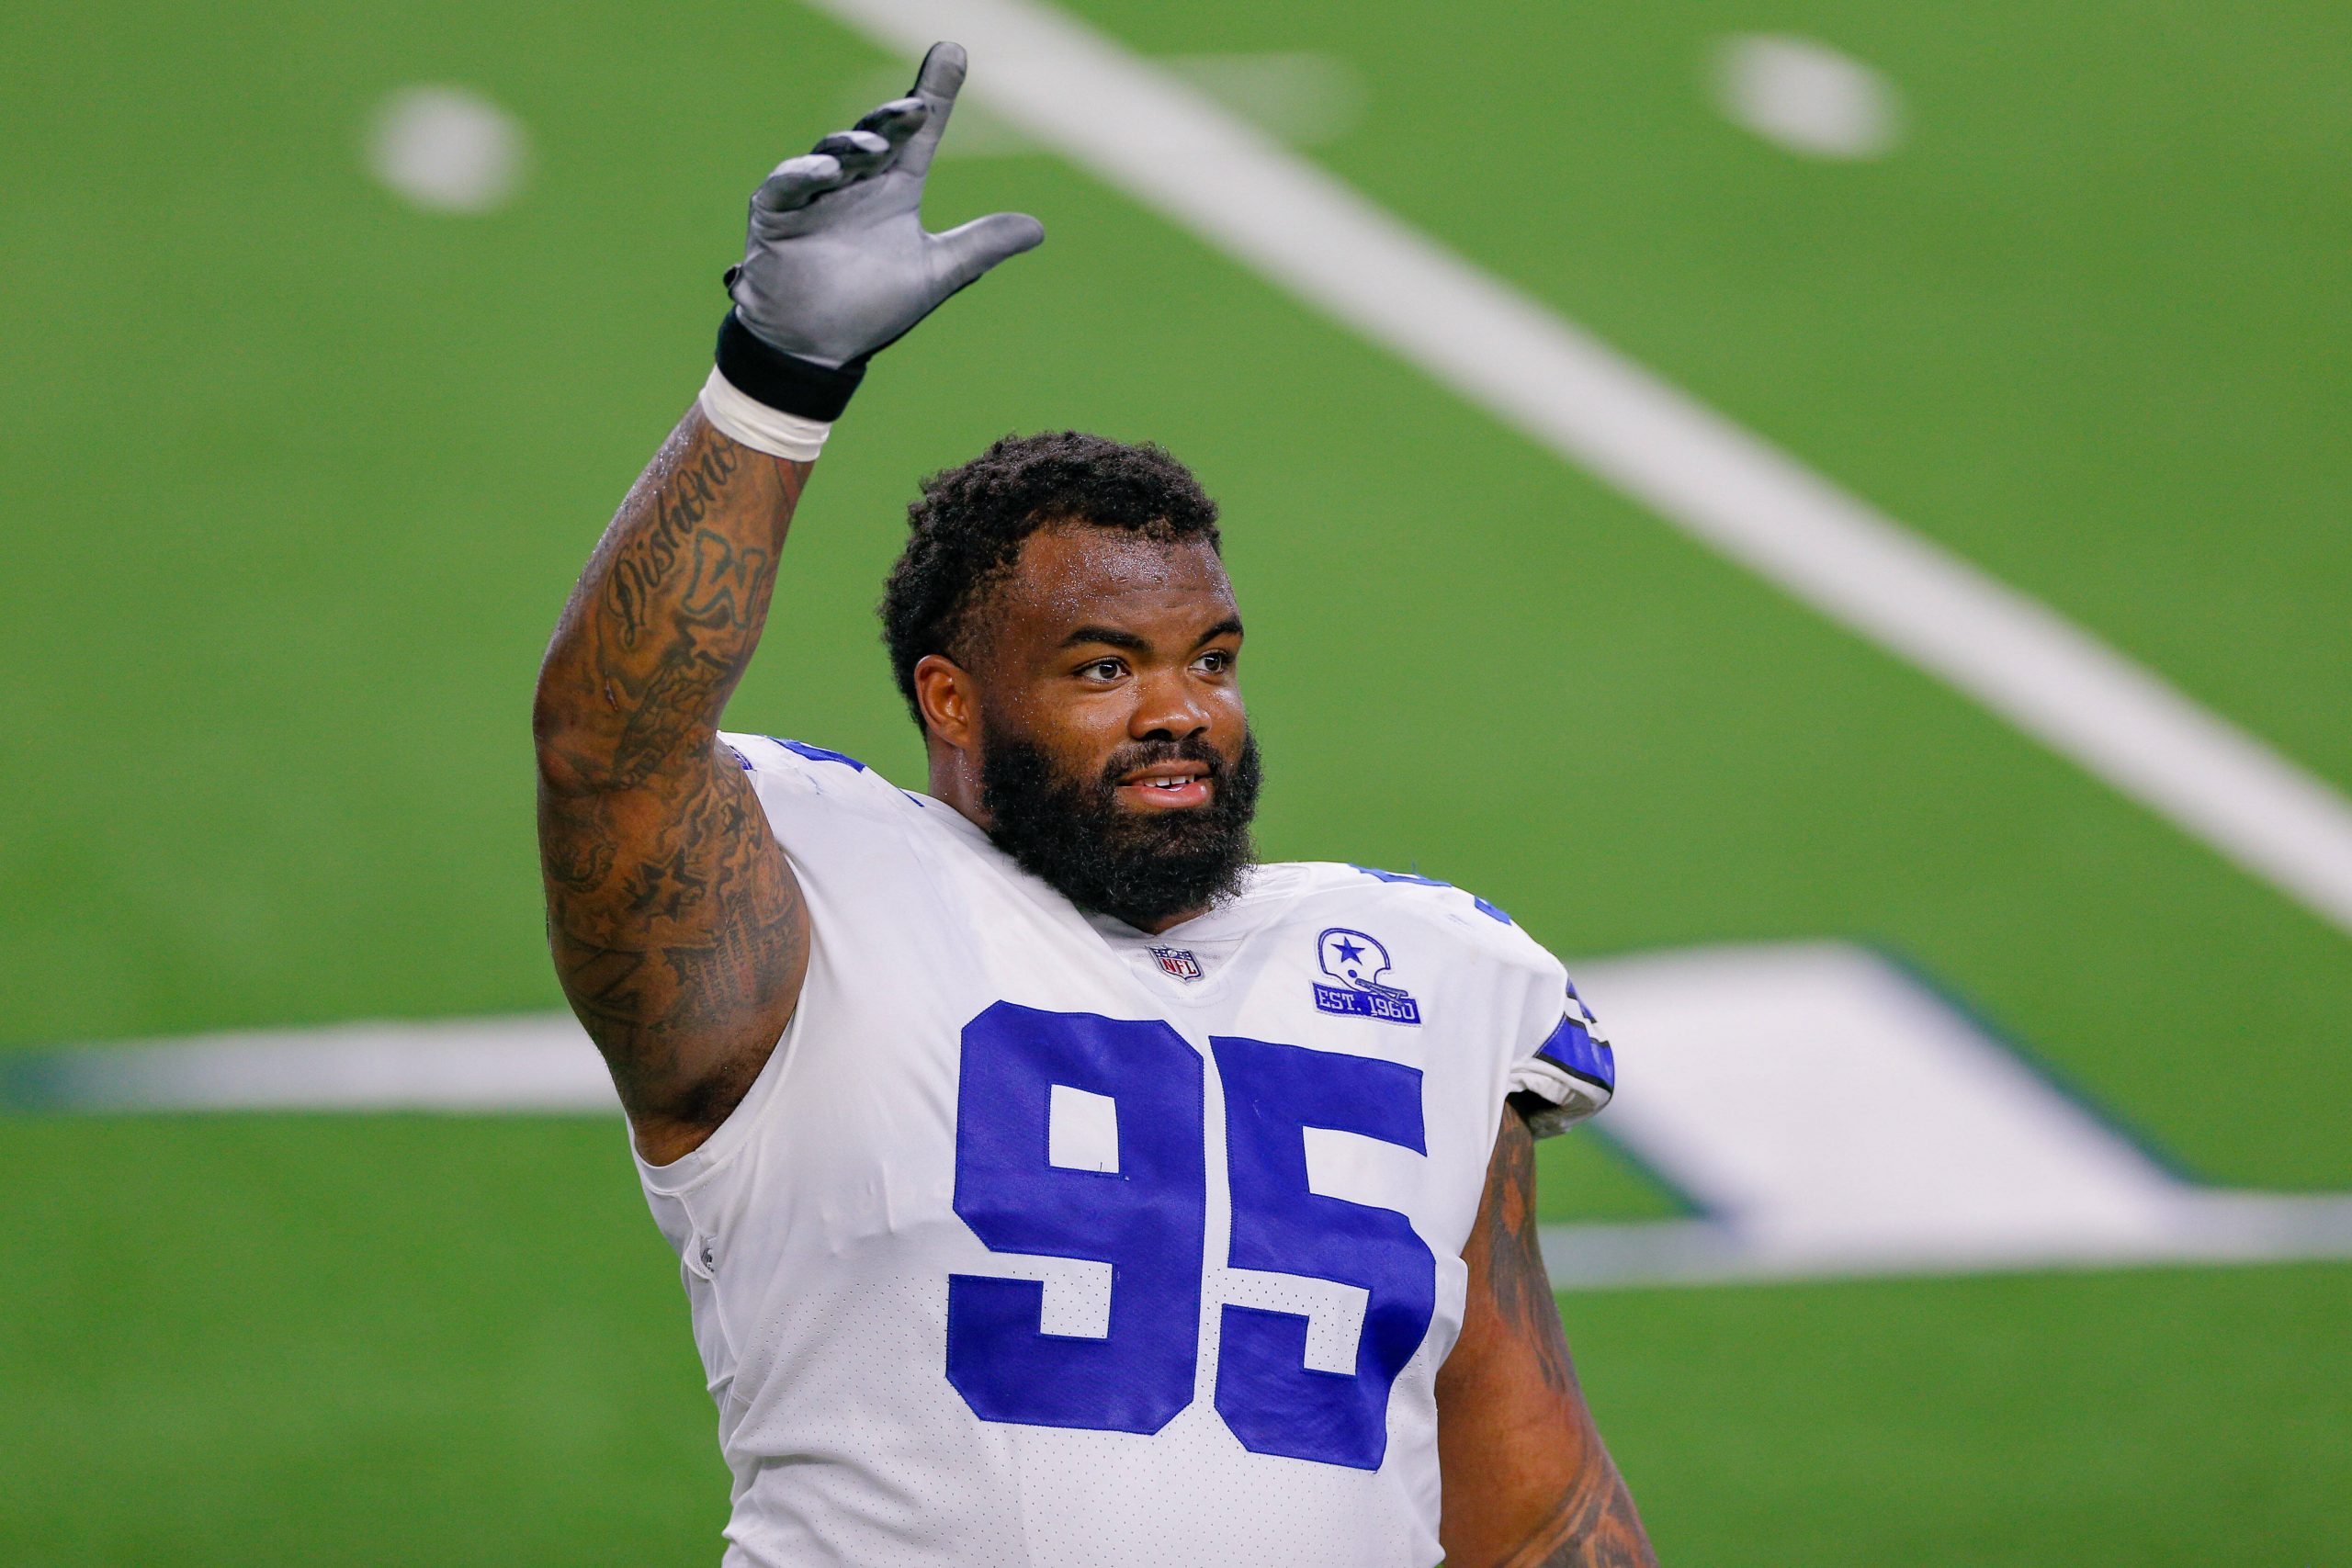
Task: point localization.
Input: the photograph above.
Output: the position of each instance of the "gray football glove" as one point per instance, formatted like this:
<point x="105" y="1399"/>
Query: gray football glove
<point x="837" y="264"/>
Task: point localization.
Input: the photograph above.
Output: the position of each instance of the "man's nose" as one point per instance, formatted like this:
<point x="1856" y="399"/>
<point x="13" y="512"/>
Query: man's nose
<point x="1167" y="707"/>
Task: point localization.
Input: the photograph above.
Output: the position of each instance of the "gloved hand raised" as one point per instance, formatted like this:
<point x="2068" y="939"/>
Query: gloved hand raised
<point x="837" y="264"/>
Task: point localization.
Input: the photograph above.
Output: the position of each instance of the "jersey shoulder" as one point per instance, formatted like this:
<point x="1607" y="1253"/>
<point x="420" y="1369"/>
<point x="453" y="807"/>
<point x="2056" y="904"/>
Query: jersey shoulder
<point x="813" y="793"/>
<point x="817" y="769"/>
<point x="1453" y="920"/>
<point x="1406" y="939"/>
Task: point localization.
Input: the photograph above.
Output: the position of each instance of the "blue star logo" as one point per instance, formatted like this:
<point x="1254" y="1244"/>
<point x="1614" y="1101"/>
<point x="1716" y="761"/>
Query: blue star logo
<point x="1348" y="952"/>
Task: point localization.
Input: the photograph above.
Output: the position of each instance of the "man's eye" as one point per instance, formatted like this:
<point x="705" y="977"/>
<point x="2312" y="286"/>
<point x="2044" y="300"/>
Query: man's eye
<point x="1104" y="670"/>
<point x="1217" y="662"/>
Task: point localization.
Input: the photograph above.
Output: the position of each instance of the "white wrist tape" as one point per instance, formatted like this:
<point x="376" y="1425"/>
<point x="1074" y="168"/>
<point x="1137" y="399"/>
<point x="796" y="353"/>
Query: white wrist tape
<point x="758" y="426"/>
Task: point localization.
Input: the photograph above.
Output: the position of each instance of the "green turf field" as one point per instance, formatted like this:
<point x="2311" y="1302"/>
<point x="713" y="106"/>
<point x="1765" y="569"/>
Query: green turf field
<point x="295" y="476"/>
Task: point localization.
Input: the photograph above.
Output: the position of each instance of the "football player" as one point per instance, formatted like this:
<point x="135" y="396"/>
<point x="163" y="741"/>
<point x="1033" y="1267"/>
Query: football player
<point x="1054" y="1184"/>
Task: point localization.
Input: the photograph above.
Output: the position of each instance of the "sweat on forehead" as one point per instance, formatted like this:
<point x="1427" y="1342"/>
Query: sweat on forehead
<point x="970" y="526"/>
<point x="1071" y="564"/>
<point x="1071" y="574"/>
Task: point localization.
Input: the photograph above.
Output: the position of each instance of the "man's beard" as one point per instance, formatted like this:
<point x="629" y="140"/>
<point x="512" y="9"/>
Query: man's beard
<point x="1139" y="866"/>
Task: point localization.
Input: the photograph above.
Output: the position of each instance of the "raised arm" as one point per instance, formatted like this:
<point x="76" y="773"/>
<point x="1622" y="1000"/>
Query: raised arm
<point x="1527" y="1482"/>
<point x="678" y="933"/>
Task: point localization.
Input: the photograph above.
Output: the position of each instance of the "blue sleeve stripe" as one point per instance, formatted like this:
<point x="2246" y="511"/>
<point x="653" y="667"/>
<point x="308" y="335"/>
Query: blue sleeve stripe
<point x="1574" y="1051"/>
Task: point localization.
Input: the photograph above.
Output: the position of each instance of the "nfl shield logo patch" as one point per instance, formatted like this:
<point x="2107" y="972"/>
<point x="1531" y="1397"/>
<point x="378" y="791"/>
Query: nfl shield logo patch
<point x="1178" y="962"/>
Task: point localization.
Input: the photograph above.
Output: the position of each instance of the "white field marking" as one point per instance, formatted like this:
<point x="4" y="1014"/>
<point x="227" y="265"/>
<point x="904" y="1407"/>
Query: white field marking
<point x="1806" y="96"/>
<point x="1300" y="97"/>
<point x="447" y="149"/>
<point x="1173" y="150"/>
<point x="1826" y="1114"/>
<point x="1829" y="1114"/>
<point x="534" y="1062"/>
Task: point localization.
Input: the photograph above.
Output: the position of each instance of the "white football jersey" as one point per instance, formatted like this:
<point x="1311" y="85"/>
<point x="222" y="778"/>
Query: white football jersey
<point x="1041" y="1242"/>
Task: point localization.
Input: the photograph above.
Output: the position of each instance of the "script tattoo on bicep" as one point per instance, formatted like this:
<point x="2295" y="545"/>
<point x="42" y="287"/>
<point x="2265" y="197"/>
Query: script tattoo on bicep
<point x="1593" y="1524"/>
<point x="677" y="929"/>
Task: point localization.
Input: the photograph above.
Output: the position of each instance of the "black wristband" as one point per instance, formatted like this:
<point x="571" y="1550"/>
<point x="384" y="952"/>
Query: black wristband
<point x="784" y="381"/>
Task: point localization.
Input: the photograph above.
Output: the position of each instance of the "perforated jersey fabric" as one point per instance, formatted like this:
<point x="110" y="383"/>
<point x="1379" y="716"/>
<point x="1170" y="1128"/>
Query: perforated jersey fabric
<point x="1041" y="1242"/>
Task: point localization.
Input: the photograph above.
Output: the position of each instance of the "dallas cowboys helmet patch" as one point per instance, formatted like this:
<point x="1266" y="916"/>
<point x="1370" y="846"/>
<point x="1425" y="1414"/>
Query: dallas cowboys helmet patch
<point x="1360" y="966"/>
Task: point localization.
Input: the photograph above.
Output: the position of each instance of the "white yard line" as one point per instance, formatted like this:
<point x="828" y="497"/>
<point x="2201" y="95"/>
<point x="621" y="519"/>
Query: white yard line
<point x="1829" y="1113"/>
<point x="1179" y="153"/>
<point x="530" y="1063"/>
<point x="1824" y="1113"/>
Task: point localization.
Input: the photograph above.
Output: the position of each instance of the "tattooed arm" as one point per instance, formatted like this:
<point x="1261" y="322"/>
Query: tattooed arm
<point x="1527" y="1480"/>
<point x="678" y="931"/>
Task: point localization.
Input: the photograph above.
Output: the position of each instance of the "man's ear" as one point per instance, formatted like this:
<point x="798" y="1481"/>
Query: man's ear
<point x="949" y="700"/>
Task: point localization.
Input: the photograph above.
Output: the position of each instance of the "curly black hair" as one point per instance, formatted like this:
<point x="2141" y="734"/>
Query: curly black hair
<point x="969" y="523"/>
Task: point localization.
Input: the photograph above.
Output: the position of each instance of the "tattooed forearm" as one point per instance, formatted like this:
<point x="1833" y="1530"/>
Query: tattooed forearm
<point x="637" y="576"/>
<point x="1527" y="1480"/>
<point x="1595" y="1527"/>
<point x="1521" y="1290"/>
<point x="677" y="929"/>
<point x="667" y="614"/>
